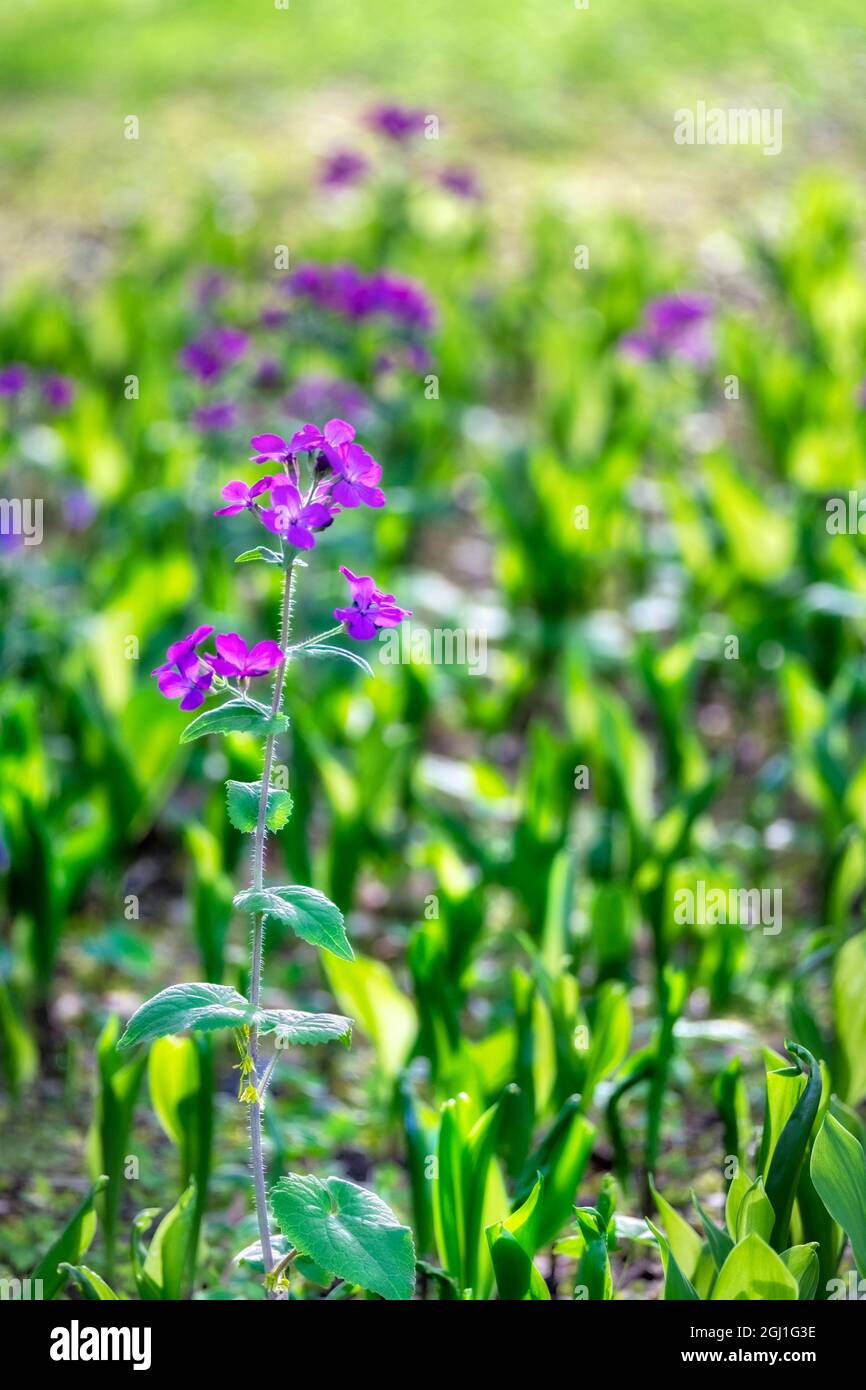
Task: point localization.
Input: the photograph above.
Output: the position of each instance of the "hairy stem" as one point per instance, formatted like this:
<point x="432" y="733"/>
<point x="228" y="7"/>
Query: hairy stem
<point x="259" y="919"/>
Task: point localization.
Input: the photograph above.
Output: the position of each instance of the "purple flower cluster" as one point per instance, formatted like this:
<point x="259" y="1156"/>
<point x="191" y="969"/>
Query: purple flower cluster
<point x="187" y="675"/>
<point x="673" y="326"/>
<point x="56" y="391"/>
<point x="349" y="292"/>
<point x="369" y="609"/>
<point x="345" y="476"/>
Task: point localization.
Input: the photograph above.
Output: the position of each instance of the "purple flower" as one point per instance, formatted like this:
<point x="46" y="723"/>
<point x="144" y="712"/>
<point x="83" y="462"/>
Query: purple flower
<point x="208" y="287"/>
<point x="672" y="326"/>
<point x="356" y="473"/>
<point x="396" y="123"/>
<point x="13" y="379"/>
<point x="183" y="675"/>
<point x="342" y="168"/>
<point x="58" y="392"/>
<point x="461" y="182"/>
<point x="235" y="658"/>
<point x="219" y="415"/>
<point x="209" y="355"/>
<point x="242" y="498"/>
<point x="370" y="608"/>
<point x="291" y="518"/>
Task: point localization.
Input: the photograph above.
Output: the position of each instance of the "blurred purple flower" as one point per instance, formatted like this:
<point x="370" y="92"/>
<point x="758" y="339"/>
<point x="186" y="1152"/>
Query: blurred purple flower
<point x="13" y="379"/>
<point x="322" y="395"/>
<point x="347" y="291"/>
<point x="182" y="675"/>
<point x="209" y="355"/>
<point x="235" y="659"/>
<point x="461" y="182"/>
<point x="672" y="326"/>
<point x="342" y="168"/>
<point x="58" y="392"/>
<point x="208" y="286"/>
<point x="370" y="608"/>
<point x="268" y="375"/>
<point x="79" y="509"/>
<point x="395" y="122"/>
<point x="219" y="415"/>
<point x="290" y="517"/>
<point x="241" y="498"/>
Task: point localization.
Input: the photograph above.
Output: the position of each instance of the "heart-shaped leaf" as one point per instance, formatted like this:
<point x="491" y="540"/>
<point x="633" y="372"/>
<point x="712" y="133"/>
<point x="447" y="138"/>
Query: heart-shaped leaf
<point x="311" y="915"/>
<point x="243" y="805"/>
<point x="235" y="717"/>
<point x="347" y="1230"/>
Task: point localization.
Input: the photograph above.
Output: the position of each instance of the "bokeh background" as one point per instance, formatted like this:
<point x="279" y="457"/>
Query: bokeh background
<point x="500" y="901"/>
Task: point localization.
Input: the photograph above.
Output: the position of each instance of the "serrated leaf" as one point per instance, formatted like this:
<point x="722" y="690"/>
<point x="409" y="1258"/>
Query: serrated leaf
<point x="293" y="1027"/>
<point x="187" y="1008"/>
<point x="259" y="552"/>
<point x="311" y="915"/>
<point x="243" y="806"/>
<point x="353" y="657"/>
<point x="235" y="717"/>
<point x="347" y="1230"/>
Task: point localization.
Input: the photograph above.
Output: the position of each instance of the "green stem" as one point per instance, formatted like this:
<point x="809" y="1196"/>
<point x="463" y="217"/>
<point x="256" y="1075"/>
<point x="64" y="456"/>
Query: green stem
<point x="259" y="919"/>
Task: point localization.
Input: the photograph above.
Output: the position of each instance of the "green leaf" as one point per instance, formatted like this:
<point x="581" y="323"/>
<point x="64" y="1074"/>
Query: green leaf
<point x="90" y="1285"/>
<point x="838" y="1170"/>
<point x="678" y="1288"/>
<point x="560" y="1158"/>
<point x="347" y="1230"/>
<point x="367" y="989"/>
<point x="235" y="717"/>
<point x="168" y="1261"/>
<point x="802" y="1261"/>
<point x="513" y="1242"/>
<point x="259" y="552"/>
<point x="71" y="1244"/>
<point x="353" y="657"/>
<point x="291" y="1027"/>
<point x="718" y="1240"/>
<point x="684" y="1241"/>
<point x="183" y="1008"/>
<point x="753" y="1271"/>
<point x="202" y="1008"/>
<point x="243" y="806"/>
<point x="788" y="1155"/>
<point x="849" y="1008"/>
<point x="311" y="915"/>
<point x="755" y="1213"/>
<point x="251" y="1255"/>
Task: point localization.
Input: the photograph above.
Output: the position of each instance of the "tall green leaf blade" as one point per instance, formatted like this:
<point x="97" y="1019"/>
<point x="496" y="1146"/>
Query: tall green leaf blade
<point x="89" y="1284"/>
<point x="838" y="1169"/>
<point x="74" y="1240"/>
<point x="678" y="1287"/>
<point x="784" y="1172"/>
<point x="347" y="1230"/>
